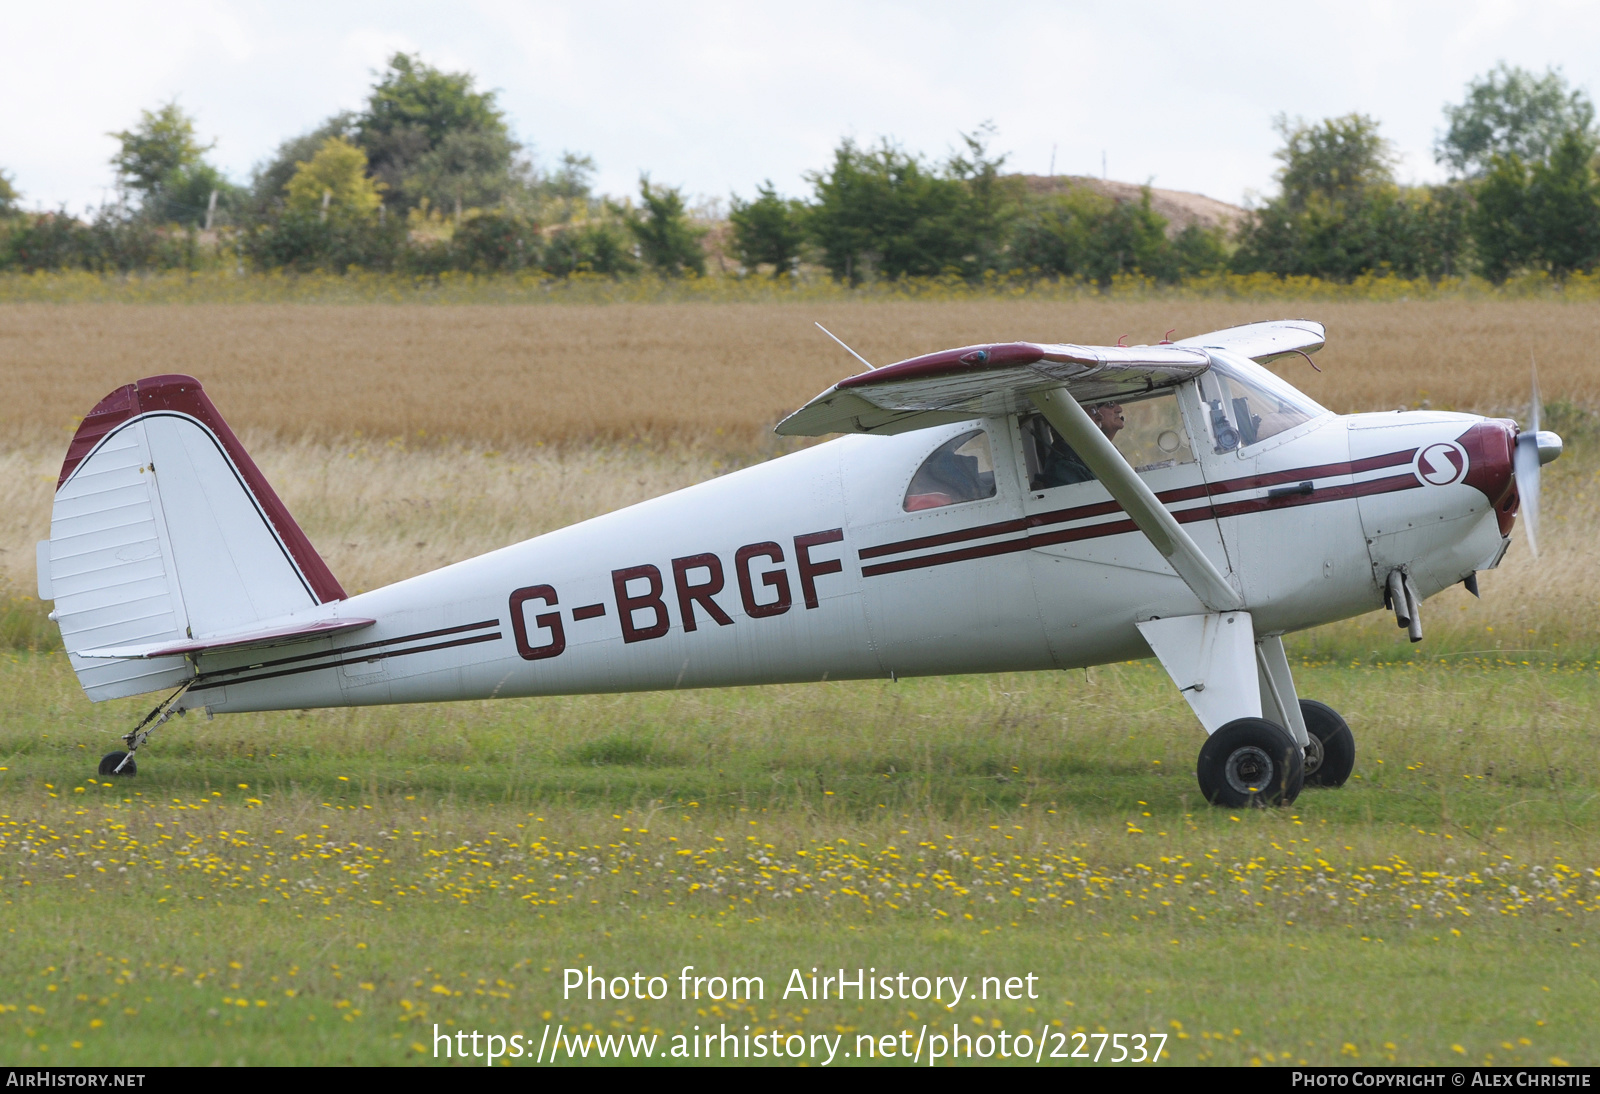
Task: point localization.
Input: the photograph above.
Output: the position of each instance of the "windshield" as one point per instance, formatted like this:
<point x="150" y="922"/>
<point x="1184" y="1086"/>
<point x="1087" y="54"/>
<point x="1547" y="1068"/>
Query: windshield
<point x="1246" y="404"/>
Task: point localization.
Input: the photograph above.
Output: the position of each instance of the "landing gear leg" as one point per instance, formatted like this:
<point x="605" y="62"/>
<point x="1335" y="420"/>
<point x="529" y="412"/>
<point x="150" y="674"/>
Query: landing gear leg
<point x="1230" y="680"/>
<point x="121" y="763"/>
<point x="1332" y="753"/>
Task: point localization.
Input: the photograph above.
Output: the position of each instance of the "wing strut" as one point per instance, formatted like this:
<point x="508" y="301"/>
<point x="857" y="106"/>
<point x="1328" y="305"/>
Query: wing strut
<point x="1137" y="500"/>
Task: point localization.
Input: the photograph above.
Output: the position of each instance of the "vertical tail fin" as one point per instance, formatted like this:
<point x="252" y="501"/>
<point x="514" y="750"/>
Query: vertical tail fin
<point x="164" y="529"/>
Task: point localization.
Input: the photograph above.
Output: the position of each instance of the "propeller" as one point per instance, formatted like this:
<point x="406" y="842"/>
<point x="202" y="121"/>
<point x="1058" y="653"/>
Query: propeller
<point x="1535" y="448"/>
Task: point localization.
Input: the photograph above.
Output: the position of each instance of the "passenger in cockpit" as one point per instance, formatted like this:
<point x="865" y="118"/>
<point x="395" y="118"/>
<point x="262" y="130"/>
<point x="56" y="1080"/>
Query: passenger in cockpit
<point x="1108" y="416"/>
<point x="1059" y="465"/>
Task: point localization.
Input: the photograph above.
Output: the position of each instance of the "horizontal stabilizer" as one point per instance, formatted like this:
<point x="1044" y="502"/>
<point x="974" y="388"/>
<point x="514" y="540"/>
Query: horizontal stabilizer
<point x="242" y="640"/>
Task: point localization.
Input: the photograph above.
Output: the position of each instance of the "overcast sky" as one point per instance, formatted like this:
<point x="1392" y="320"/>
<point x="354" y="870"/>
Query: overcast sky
<point x="715" y="96"/>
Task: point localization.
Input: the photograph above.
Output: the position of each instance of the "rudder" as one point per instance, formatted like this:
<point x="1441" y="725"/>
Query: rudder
<point x="163" y="529"/>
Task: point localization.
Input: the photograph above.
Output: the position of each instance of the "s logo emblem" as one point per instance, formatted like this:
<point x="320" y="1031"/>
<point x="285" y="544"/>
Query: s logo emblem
<point x="1441" y="464"/>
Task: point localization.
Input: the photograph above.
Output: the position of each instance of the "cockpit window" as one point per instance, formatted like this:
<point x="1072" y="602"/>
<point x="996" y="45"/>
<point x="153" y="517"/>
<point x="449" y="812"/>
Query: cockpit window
<point x="1148" y="432"/>
<point x="961" y="469"/>
<point x="1245" y="404"/>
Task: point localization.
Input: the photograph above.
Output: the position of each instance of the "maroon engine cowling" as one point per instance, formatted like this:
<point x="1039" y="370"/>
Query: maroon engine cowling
<point x="1490" y="466"/>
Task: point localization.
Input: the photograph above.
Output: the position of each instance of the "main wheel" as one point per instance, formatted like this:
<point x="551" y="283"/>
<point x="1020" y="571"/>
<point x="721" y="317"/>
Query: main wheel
<point x="1250" y="761"/>
<point x="109" y="762"/>
<point x="1332" y="755"/>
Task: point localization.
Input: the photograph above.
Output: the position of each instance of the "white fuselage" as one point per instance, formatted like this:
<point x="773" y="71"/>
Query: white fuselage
<point x="810" y="568"/>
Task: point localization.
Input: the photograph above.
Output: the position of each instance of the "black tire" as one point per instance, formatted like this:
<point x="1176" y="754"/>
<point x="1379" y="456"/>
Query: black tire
<point x="109" y="762"/>
<point x="1250" y="761"/>
<point x="1332" y="755"/>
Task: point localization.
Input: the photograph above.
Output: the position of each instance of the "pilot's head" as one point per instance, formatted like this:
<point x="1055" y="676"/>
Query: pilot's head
<point x="1108" y="416"/>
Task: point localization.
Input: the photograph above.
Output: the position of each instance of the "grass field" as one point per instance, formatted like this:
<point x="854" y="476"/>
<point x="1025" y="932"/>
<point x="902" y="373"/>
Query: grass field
<point x="709" y="375"/>
<point x="326" y="886"/>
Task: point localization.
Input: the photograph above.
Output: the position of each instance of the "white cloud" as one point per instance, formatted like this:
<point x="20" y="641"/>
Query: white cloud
<point x="717" y="96"/>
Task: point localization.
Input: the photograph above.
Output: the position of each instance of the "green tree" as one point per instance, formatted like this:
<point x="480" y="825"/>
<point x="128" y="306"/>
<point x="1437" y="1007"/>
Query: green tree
<point x="269" y="179"/>
<point x="1082" y="234"/>
<point x="430" y="134"/>
<point x="333" y="184"/>
<point x="598" y="246"/>
<point x="1511" y="112"/>
<point x="1544" y="215"/>
<point x="467" y="169"/>
<point x="163" y="144"/>
<point x="883" y="210"/>
<point x="496" y="242"/>
<point x="769" y="230"/>
<point x="1197" y="250"/>
<point x="1129" y="239"/>
<point x="1340" y="213"/>
<point x="1564" y="205"/>
<point x="9" y="195"/>
<point x="572" y="181"/>
<point x="668" y="243"/>
<point x="162" y="160"/>
<point x="992" y="200"/>
<point x="1055" y="235"/>
<point x="1340" y="160"/>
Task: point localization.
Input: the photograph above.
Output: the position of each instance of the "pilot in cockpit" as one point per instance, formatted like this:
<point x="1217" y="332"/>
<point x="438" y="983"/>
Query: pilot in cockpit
<point x="1059" y="465"/>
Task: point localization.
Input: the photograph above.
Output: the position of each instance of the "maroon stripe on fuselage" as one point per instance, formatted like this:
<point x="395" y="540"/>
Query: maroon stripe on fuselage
<point x="358" y="648"/>
<point x="383" y="655"/>
<point x="1166" y="497"/>
<point x="1328" y="493"/>
<point x="1123" y="527"/>
<point x="939" y="540"/>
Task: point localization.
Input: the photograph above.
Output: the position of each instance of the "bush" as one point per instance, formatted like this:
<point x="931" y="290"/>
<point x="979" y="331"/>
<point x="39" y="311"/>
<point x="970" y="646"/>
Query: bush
<point x="112" y="242"/>
<point x="306" y="241"/>
<point x="768" y="231"/>
<point x="498" y="241"/>
<point x="1082" y="234"/>
<point x="668" y="243"/>
<point x="594" y="247"/>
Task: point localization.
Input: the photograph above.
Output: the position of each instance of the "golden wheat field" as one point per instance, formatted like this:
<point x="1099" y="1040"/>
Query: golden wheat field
<point x="718" y="374"/>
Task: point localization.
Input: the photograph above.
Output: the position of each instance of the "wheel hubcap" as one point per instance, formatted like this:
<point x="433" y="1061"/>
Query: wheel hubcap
<point x="1313" y="755"/>
<point x="1249" y="770"/>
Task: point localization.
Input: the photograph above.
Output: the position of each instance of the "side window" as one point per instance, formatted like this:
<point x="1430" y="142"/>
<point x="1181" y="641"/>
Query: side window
<point x="1152" y="435"/>
<point x="1148" y="432"/>
<point x="1051" y="461"/>
<point x="961" y="469"/>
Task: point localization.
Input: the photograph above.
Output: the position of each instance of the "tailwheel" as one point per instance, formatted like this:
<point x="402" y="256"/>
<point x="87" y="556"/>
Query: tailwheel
<point x="118" y="763"/>
<point x="1331" y="756"/>
<point x="121" y="763"/>
<point x="1250" y="761"/>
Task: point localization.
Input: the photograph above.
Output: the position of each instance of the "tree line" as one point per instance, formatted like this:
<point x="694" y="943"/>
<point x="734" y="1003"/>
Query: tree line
<point x="427" y="178"/>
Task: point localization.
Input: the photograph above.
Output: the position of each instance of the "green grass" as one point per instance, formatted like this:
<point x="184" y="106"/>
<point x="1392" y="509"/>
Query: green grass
<point x="354" y="877"/>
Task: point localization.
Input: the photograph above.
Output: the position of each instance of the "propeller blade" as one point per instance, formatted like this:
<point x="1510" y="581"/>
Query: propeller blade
<point x="1526" y="462"/>
<point x="1538" y="404"/>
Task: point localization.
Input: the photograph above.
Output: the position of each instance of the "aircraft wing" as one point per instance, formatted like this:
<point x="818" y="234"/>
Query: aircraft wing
<point x="1264" y="342"/>
<point x="980" y="381"/>
<point x="240" y="640"/>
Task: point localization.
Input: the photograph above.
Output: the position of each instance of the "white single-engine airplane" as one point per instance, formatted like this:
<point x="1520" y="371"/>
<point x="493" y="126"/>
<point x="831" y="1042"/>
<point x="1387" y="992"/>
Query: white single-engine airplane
<point x="997" y="508"/>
